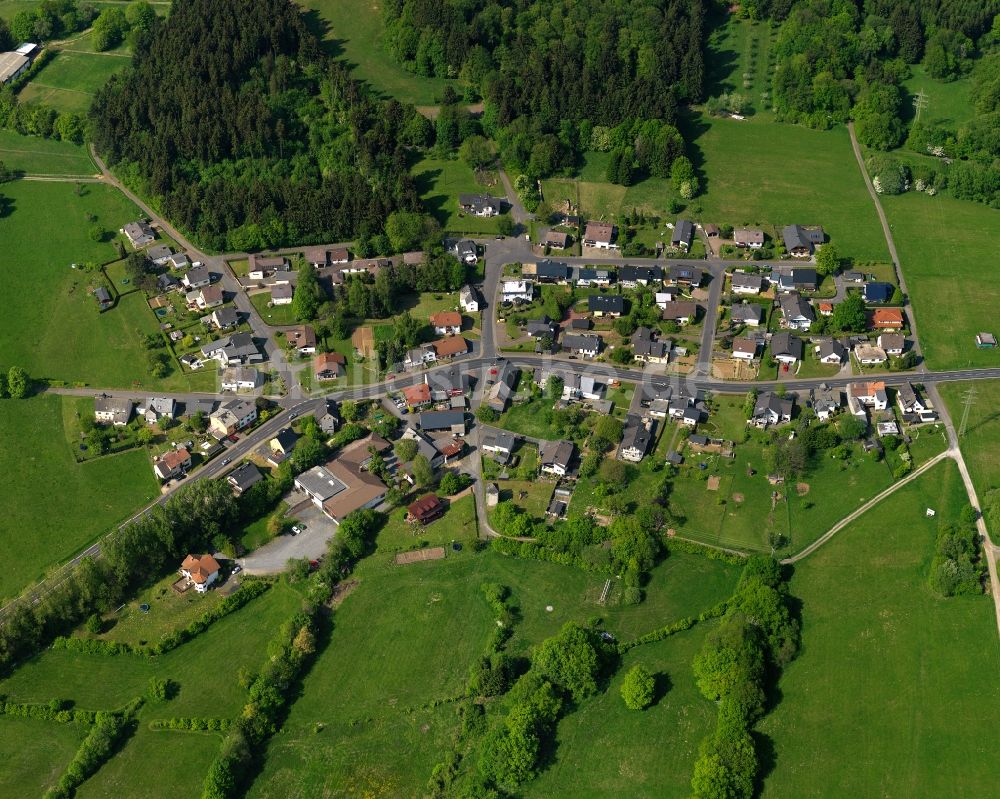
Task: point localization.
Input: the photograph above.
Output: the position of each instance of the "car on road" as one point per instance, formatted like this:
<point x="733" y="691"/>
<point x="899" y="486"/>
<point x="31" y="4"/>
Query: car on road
<point x="226" y="461"/>
<point x="292" y="415"/>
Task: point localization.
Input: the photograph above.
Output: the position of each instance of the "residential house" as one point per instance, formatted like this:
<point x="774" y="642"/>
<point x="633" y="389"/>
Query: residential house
<point x="600" y="235"/>
<point x="913" y="406"/>
<point x="480" y="204"/>
<point x="631" y="277"/>
<point x="887" y="319"/>
<point x="201" y="570"/>
<point x="684" y="275"/>
<point x="232" y="417"/>
<point x="498" y="397"/>
<point x="749" y="314"/>
<point x="209" y="297"/>
<point x="805" y="279"/>
<point x="282" y="294"/>
<point x="465" y="250"/>
<point x="178" y="260"/>
<point x="281" y="446"/>
<point x="711" y="230"/>
<point x="167" y="282"/>
<point x="302" y="339"/>
<point x="328" y="366"/>
<point x="159" y="254"/>
<point x="556" y="240"/>
<point x="786" y="348"/>
<point x="667" y="294"/>
<point x="418" y="396"/>
<point x="770" y="409"/>
<point x="548" y="271"/>
<point x="748" y="237"/>
<point x="745" y="349"/>
<point x="825" y="308"/>
<point x="103" y="297"/>
<point x="156" y="408"/>
<point x="586" y="276"/>
<point x="240" y="378"/>
<point x="452" y="381"/>
<point x="172" y="463"/>
<point x="243" y="477"/>
<point x="539" y="328"/>
<point x="879" y="292"/>
<point x="112" y="410"/>
<point x="453" y="421"/>
<point x="680" y="312"/>
<point x="139" y="234"/>
<point x="800" y="242"/>
<point x="646" y="347"/>
<point x="826" y="402"/>
<point x="832" y="352"/>
<point x="853" y="277"/>
<point x="450" y="347"/>
<point x="447" y="323"/>
<point x="517" y="291"/>
<point x="425" y="510"/>
<point x="892" y="343"/>
<point x="419" y="356"/>
<point x="196" y="277"/>
<point x="636" y="438"/>
<point x="574" y="385"/>
<point x="555" y="457"/>
<point x="868" y="355"/>
<point x="606" y="305"/>
<point x="580" y="323"/>
<point x="262" y="265"/>
<point x="861" y="396"/>
<point x="327" y="416"/>
<point x="682" y="235"/>
<point x="425" y="447"/>
<point x="225" y="318"/>
<point x="796" y="313"/>
<point x="238" y="349"/>
<point x="586" y="345"/>
<point x="747" y="283"/>
<point x="468" y="299"/>
<point x="498" y="443"/>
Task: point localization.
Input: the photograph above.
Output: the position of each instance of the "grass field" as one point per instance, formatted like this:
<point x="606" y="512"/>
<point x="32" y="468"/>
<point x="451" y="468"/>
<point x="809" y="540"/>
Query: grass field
<point x="940" y="243"/>
<point x="34" y="753"/>
<point x="205" y="668"/>
<point x="147" y="765"/>
<point x="773" y="174"/>
<point x="893" y="684"/>
<point x="276" y="314"/>
<point x="352" y="29"/>
<point x="37" y="156"/>
<point x="945" y="102"/>
<point x="76" y="343"/>
<point x="982" y="436"/>
<point x="739" y="61"/>
<point x="70" y="80"/>
<point x="439" y="182"/>
<point x="86" y="498"/>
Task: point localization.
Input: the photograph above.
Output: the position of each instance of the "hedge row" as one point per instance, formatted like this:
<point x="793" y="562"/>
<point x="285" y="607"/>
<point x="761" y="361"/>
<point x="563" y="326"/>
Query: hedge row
<point x="48" y="712"/>
<point x="678" y="626"/>
<point x="681" y="545"/>
<point x="196" y="724"/>
<point x="250" y="589"/>
<point x="529" y="550"/>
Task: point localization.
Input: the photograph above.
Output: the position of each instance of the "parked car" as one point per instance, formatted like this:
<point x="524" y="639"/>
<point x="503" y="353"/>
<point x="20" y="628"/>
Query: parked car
<point x="237" y="569"/>
<point x="296" y="529"/>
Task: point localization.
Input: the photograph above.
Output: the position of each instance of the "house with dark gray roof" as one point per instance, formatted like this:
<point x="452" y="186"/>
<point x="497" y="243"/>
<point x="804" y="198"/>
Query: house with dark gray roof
<point x="548" y="271"/>
<point x="555" y="457"/>
<point x="243" y="477"/>
<point x="747" y="283"/>
<point x="682" y="235"/>
<point x="770" y="409"/>
<point x="684" y="275"/>
<point x="631" y="277"/>
<point x="749" y="314"/>
<point x="453" y="421"/>
<point x="800" y="242"/>
<point x="832" y="351"/>
<point x="605" y="305"/>
<point x="537" y="328"/>
<point x="636" y="438"/>
<point x="786" y="348"/>
<point x="480" y="204"/>
<point x="796" y="312"/>
<point x="589" y="346"/>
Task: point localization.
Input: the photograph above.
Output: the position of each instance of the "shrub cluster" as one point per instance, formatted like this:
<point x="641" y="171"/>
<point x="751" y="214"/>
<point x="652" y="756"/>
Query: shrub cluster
<point x="957" y="568"/>
<point x="196" y="724"/>
<point x="53" y="711"/>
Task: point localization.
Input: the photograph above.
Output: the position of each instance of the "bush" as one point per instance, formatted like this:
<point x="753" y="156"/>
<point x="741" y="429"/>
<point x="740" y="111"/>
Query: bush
<point x="638" y="688"/>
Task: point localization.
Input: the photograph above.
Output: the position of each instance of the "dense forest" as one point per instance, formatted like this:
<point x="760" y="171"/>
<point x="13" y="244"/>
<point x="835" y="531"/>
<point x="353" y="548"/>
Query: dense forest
<point x="549" y="73"/>
<point x="248" y="136"/>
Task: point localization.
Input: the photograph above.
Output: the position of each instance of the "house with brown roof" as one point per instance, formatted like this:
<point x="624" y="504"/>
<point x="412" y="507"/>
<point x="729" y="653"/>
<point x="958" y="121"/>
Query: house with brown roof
<point x="418" y="396"/>
<point x="892" y="343"/>
<point x="329" y="366"/>
<point x="450" y="347"/>
<point x="172" y="463"/>
<point x="745" y="349"/>
<point x="681" y="312"/>
<point x="425" y="510"/>
<point x="557" y="240"/>
<point x="345" y="484"/>
<point x="748" y="237"/>
<point x="867" y="395"/>
<point x="447" y="323"/>
<point x="887" y="319"/>
<point x="302" y="339"/>
<point x="201" y="571"/>
<point x="600" y="235"/>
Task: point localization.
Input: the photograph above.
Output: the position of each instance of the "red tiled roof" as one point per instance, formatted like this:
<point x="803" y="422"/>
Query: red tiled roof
<point x="447" y="319"/>
<point x="200" y="567"/>
<point x="418" y="394"/>
<point x="447" y="347"/>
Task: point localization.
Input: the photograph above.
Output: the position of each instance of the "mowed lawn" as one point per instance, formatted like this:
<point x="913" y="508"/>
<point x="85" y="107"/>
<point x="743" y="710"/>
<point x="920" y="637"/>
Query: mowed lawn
<point x="893" y="693"/>
<point x="51" y="325"/>
<point x="42" y="526"/>
<point x="944" y="254"/>
<point x="205" y="669"/>
<point x="766" y="173"/>
<point x="352" y="29"/>
<point x="69" y="81"/>
<point x="403" y="639"/>
<point x="945" y="102"/>
<point x="155" y="764"/>
<point x="34" y="155"/>
<point x="34" y="754"/>
<point x="439" y="182"/>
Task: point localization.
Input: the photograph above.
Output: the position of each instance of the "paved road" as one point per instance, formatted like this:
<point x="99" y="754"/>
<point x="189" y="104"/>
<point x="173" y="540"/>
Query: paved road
<point x="908" y="307"/>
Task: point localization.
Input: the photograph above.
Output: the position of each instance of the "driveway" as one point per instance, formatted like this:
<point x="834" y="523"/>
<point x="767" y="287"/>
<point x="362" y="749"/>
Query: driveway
<point x="311" y="543"/>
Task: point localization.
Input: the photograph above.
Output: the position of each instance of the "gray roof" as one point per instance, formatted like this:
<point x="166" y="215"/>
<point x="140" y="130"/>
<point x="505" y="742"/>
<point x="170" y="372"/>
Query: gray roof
<point x="574" y="341"/>
<point x="541" y="327"/>
<point x="244" y="476"/>
<point x="832" y="347"/>
<point x="500" y="439"/>
<point x="798" y="237"/>
<point x="605" y="303"/>
<point x="786" y="344"/>
<point x="158" y="252"/>
<point x="556" y="452"/>
<point x="747" y="280"/>
<point x="226" y="317"/>
<point x="635" y="436"/>
<point x="683" y="231"/>
<point x="745" y="311"/>
<point x="770" y="403"/>
<point x="794" y="306"/>
<point x="681" y="273"/>
<point x="553" y="270"/>
<point x="319" y="482"/>
<point x="440" y="420"/>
